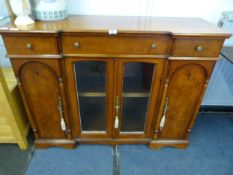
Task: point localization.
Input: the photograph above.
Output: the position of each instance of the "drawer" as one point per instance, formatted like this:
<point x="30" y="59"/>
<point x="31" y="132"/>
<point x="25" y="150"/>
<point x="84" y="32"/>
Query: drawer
<point x="158" y="45"/>
<point x="27" y="45"/>
<point x="196" y="47"/>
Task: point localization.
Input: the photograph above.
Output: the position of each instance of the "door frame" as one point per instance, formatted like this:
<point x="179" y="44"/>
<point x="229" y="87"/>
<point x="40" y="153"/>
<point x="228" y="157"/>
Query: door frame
<point x="73" y="98"/>
<point x="153" y="99"/>
<point x="53" y="66"/>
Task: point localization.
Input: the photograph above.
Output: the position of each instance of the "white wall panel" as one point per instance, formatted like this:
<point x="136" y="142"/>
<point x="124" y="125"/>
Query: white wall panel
<point x="220" y="88"/>
<point x="207" y="9"/>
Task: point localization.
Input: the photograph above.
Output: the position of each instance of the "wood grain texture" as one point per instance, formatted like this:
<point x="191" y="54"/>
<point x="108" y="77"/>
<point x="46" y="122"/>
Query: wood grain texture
<point x="152" y="101"/>
<point x="17" y="45"/>
<point x="72" y="93"/>
<point x="112" y="141"/>
<point x="41" y="88"/>
<point x="14" y="126"/>
<point x="187" y="82"/>
<point x="46" y="143"/>
<point x="157" y="144"/>
<point x="45" y="72"/>
<point x="102" y="24"/>
<point x="188" y="47"/>
<point x="116" y="44"/>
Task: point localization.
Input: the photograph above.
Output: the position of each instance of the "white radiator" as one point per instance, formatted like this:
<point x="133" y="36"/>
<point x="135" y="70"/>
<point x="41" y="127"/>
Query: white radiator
<point x="220" y="88"/>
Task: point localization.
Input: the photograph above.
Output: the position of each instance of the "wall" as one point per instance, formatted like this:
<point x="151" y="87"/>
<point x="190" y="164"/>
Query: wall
<point x="3" y="13"/>
<point x="220" y="88"/>
<point x="3" y="60"/>
<point x="208" y="9"/>
<point x="3" y="9"/>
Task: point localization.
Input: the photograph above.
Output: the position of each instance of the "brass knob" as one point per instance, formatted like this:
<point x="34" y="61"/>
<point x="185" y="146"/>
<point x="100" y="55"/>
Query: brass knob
<point x="153" y="45"/>
<point x="199" y="48"/>
<point x="29" y="46"/>
<point x="76" y="44"/>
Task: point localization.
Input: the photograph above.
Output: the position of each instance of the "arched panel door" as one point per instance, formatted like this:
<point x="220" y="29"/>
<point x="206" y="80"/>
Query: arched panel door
<point x="41" y="89"/>
<point x="186" y="86"/>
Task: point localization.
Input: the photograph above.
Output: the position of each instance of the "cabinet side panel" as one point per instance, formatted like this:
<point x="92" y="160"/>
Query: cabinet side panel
<point x="185" y="88"/>
<point x="41" y="88"/>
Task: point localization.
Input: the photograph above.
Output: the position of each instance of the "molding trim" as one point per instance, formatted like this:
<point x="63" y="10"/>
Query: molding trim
<point x="157" y="144"/>
<point x="46" y="143"/>
<point x="115" y="56"/>
<point x="35" y="56"/>
<point x="110" y="141"/>
<point x="193" y="58"/>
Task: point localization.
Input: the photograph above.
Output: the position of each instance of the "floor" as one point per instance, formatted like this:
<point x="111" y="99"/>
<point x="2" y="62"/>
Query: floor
<point x="13" y="161"/>
<point x="210" y="153"/>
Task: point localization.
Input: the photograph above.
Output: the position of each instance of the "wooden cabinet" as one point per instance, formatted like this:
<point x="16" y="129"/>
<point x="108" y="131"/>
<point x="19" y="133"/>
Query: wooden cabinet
<point x="121" y="94"/>
<point x="83" y="82"/>
<point x="184" y="88"/>
<point x="30" y="45"/>
<point x="136" y="93"/>
<point x="41" y="86"/>
<point x="197" y="47"/>
<point x="90" y="86"/>
<point x="122" y="44"/>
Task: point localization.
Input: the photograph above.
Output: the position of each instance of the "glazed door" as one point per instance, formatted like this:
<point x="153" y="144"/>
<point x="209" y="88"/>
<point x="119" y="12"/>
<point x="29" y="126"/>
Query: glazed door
<point x="137" y="86"/>
<point x="90" y="85"/>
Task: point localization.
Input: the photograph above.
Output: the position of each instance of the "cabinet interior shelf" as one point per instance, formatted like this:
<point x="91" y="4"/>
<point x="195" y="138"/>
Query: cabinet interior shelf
<point x="103" y="94"/>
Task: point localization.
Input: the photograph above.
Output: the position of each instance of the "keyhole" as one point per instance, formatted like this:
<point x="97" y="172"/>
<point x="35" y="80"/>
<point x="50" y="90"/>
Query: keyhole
<point x="189" y="75"/>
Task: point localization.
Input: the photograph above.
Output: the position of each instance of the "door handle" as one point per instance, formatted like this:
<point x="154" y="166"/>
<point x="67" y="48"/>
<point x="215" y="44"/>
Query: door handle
<point x="163" y="120"/>
<point x="116" y="122"/>
<point x="117" y="107"/>
<point x="60" y="109"/>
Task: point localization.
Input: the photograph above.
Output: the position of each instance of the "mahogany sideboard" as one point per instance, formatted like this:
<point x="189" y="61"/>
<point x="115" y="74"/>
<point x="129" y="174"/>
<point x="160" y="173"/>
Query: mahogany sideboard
<point x="113" y="80"/>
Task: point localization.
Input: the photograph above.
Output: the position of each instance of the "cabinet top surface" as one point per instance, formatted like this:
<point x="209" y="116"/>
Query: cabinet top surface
<point x="102" y="24"/>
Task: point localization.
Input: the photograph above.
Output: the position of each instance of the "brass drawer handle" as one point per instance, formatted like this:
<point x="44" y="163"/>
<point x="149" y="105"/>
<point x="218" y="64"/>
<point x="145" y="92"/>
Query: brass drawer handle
<point x="29" y="46"/>
<point x="199" y="48"/>
<point x="153" y="45"/>
<point x="76" y="44"/>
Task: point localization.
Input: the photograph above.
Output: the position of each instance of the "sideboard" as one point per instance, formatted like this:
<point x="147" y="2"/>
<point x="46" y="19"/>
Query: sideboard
<point x="113" y="80"/>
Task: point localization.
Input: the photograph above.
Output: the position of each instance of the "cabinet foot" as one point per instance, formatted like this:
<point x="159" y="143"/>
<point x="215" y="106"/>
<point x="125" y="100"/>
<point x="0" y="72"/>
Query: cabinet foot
<point x="157" y="144"/>
<point x="46" y="143"/>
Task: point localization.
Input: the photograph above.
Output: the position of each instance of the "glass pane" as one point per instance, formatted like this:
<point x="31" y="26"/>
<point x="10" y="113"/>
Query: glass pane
<point x="136" y="91"/>
<point x="90" y="83"/>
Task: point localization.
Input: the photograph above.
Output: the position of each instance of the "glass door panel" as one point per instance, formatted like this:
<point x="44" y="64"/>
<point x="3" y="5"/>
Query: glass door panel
<point x="91" y="92"/>
<point x="137" y="80"/>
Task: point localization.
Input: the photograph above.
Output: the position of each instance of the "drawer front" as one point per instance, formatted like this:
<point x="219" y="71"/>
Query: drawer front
<point x="197" y="47"/>
<point x="116" y="45"/>
<point x="20" y="45"/>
